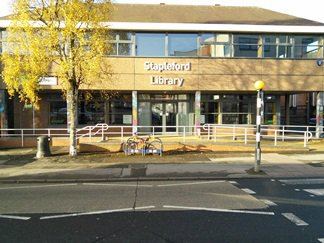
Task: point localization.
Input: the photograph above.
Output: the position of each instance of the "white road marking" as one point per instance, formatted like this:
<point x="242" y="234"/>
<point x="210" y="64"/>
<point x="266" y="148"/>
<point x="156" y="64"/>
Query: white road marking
<point x="321" y="240"/>
<point x="297" y="190"/>
<point x="302" y="181"/>
<point x="190" y="183"/>
<point x="233" y="182"/>
<point x="220" y="210"/>
<point x="273" y="180"/>
<point x="317" y="192"/>
<point x="42" y="186"/>
<point x="14" y="217"/>
<point x="94" y="212"/>
<point x="268" y="202"/>
<point x="293" y="218"/>
<point x="115" y="184"/>
<point x="247" y="190"/>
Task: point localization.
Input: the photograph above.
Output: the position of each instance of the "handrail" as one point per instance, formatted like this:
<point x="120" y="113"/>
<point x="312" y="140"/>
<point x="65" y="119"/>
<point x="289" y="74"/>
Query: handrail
<point x="306" y="135"/>
<point x="102" y="127"/>
<point x="241" y="132"/>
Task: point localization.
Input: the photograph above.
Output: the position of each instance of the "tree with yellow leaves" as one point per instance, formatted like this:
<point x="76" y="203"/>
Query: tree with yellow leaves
<point x="64" y="37"/>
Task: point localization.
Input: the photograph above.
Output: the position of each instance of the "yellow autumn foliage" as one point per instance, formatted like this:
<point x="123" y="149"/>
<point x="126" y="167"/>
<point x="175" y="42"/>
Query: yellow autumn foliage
<point x="64" y="36"/>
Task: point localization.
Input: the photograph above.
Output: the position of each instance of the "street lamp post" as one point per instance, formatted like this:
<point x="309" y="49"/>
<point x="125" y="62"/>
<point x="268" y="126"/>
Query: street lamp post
<point x="258" y="85"/>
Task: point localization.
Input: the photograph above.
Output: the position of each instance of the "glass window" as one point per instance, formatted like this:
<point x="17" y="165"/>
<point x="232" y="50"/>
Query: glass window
<point x="150" y="44"/>
<point x="277" y="46"/>
<point x="122" y="43"/>
<point x="113" y="35"/>
<point x="144" y="97"/>
<point x="119" y="107"/>
<point x="169" y="97"/>
<point x="307" y="47"/>
<point x="182" y="44"/>
<point x="209" y="108"/>
<point x="235" y="103"/>
<point x="91" y="112"/>
<point x="245" y="45"/>
<point x="215" y="45"/>
<point x="222" y="48"/>
<point x="269" y="46"/>
<point x="121" y="49"/>
<point x="125" y="35"/>
<point x="236" y="109"/>
<point x="207" y="41"/>
<point x="230" y="103"/>
<point x="124" y="49"/>
<point x="113" y="50"/>
<point x="120" y="35"/>
<point x="57" y="113"/>
<point x="284" y="51"/>
<point x="4" y="44"/>
<point x="145" y="116"/>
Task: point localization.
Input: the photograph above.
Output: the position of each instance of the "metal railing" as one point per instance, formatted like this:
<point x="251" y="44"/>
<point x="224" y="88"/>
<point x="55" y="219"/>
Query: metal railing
<point x="92" y="131"/>
<point x="25" y="133"/>
<point x="268" y="132"/>
<point x="208" y="132"/>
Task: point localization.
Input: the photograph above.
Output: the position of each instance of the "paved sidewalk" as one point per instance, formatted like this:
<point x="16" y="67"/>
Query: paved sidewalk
<point x="20" y="165"/>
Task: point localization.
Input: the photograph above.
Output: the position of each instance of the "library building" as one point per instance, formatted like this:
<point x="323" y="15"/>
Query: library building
<point x="183" y="65"/>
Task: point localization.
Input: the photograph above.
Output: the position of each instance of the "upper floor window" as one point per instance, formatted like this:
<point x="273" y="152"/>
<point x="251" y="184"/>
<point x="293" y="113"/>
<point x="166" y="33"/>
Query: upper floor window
<point x="3" y="41"/>
<point x="164" y="44"/>
<point x="182" y="44"/>
<point x="307" y="47"/>
<point x="150" y="44"/>
<point x="277" y="46"/>
<point x="215" y="45"/>
<point x="245" y="45"/>
<point x="122" y="43"/>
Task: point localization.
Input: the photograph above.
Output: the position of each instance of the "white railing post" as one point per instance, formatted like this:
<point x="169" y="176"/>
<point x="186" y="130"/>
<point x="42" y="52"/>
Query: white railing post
<point x="283" y="134"/>
<point x="90" y="134"/>
<point x="153" y="131"/>
<point x="308" y="133"/>
<point x="245" y="135"/>
<point x="184" y="134"/>
<point x="121" y="134"/>
<point x="208" y="131"/>
<point x="102" y="133"/>
<point x="275" y="138"/>
<point x="305" y="139"/>
<point x="22" y="138"/>
<point x="49" y="133"/>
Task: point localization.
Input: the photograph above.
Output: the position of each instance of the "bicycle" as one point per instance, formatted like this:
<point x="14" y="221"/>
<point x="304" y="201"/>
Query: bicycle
<point x="154" y="147"/>
<point x="143" y="145"/>
<point x="134" y="144"/>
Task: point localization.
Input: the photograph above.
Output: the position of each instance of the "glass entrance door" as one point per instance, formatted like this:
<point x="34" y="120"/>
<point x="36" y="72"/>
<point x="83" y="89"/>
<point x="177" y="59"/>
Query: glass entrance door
<point x="164" y="116"/>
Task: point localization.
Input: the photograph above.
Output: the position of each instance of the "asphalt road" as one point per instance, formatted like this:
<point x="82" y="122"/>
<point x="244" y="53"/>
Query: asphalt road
<point x="245" y="210"/>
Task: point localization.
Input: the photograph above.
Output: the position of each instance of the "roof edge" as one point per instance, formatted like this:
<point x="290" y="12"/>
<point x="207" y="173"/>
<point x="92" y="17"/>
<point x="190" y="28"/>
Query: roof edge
<point x="185" y="27"/>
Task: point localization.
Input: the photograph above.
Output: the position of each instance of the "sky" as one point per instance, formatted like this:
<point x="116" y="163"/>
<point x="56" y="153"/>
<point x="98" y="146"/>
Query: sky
<point x="309" y="9"/>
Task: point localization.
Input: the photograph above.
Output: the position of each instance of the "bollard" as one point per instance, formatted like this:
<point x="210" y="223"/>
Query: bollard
<point x="43" y="149"/>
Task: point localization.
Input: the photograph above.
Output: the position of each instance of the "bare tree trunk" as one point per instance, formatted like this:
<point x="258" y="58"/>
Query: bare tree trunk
<point x="72" y="104"/>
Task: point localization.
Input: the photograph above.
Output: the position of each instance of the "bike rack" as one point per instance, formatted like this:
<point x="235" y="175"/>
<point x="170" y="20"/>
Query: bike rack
<point x="143" y="148"/>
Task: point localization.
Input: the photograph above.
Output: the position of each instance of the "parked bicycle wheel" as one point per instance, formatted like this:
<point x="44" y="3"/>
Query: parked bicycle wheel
<point x="154" y="147"/>
<point x="127" y="143"/>
<point x="132" y="147"/>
